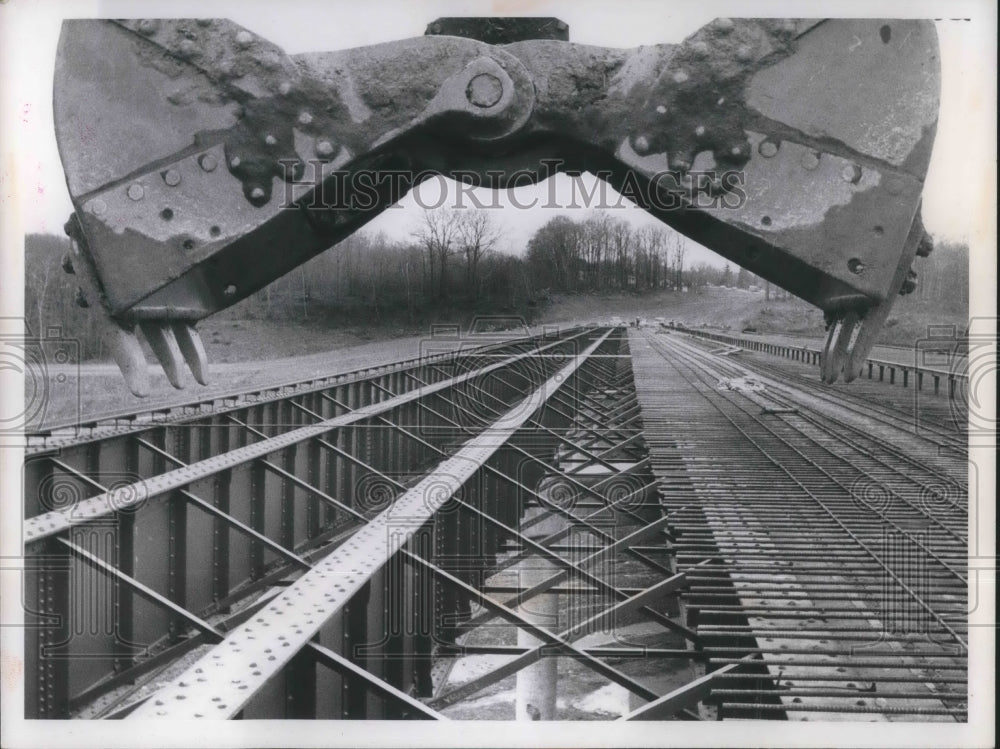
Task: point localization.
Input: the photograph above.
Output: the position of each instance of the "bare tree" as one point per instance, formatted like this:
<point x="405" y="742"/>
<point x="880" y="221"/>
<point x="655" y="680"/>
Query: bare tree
<point x="477" y="234"/>
<point x="438" y="234"/>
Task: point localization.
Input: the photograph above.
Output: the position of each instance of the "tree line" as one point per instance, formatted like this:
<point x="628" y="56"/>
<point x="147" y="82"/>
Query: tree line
<point x="449" y="270"/>
<point x="602" y="253"/>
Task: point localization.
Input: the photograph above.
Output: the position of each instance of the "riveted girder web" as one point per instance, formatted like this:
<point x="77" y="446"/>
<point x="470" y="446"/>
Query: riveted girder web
<point x="595" y="484"/>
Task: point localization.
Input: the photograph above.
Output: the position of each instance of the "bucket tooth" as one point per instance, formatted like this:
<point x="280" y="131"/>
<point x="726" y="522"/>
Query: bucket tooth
<point x="164" y="344"/>
<point x="827" y="372"/>
<point x="127" y="353"/>
<point x="193" y="350"/>
<point x="838" y="347"/>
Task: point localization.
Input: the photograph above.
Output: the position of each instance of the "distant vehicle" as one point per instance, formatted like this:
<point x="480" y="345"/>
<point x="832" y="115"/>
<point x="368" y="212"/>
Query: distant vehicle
<point x="749" y="329"/>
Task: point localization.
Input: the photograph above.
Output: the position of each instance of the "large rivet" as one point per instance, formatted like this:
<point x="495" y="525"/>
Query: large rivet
<point x="699" y="48"/>
<point x="744" y="53"/>
<point x="136" y="191"/>
<point x="270" y="139"/>
<point x="98" y="207"/>
<point x="724" y="25"/>
<point x="767" y="149"/>
<point x="484" y="90"/>
<point x="244" y="39"/>
<point x="700" y="130"/>
<point x="640" y="144"/>
<point x="680" y="76"/>
<point x="851" y="173"/>
<point x="324" y="148"/>
<point x="208" y="162"/>
<point x="810" y="160"/>
<point x="285" y="87"/>
<point x="187" y="48"/>
<point x="148" y="26"/>
<point x="305" y="118"/>
<point x="661" y="109"/>
<point x="234" y="162"/>
<point x="172" y="177"/>
<point x="257" y="193"/>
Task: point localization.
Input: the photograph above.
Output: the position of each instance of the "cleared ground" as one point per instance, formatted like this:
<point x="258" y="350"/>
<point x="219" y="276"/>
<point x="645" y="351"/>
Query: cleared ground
<point x="247" y="354"/>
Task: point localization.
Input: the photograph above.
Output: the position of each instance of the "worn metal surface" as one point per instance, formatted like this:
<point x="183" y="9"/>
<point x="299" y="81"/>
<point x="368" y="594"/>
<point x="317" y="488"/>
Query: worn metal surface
<point x="796" y="148"/>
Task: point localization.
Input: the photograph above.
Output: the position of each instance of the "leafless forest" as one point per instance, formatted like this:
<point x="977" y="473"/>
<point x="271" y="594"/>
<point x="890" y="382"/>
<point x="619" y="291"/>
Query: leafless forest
<point x="450" y="268"/>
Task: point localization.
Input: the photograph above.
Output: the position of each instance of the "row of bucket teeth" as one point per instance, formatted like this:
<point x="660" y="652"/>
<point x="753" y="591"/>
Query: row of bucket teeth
<point x="173" y="342"/>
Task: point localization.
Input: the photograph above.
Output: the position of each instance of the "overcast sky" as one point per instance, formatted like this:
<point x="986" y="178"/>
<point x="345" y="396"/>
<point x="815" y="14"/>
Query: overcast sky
<point x="958" y="183"/>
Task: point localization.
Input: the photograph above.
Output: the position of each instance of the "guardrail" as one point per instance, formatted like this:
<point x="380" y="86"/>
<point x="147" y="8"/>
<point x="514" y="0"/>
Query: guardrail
<point x="907" y="373"/>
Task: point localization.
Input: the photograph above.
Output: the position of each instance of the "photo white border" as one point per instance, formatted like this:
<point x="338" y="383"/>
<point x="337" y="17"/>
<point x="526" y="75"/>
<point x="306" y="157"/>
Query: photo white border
<point x="18" y="19"/>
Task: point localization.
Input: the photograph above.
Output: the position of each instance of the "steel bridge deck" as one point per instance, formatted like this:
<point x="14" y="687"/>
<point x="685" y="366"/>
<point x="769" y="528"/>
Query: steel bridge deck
<point x="724" y="540"/>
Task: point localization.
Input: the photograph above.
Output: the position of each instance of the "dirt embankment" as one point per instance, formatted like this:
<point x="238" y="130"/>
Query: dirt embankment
<point x="738" y="309"/>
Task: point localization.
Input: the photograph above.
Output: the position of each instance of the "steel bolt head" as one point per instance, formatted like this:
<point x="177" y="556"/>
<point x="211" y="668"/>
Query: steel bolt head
<point x="640" y="144"/>
<point x="244" y="39"/>
<point x="135" y="191"/>
<point x="257" y="193"/>
<point x="324" y="148"/>
<point x="235" y="162"/>
<point x="270" y="139"/>
<point x="305" y="118"/>
<point x="810" y="160"/>
<point x="661" y="109"/>
<point x="851" y="173"/>
<point x="725" y="25"/>
<point x="700" y="130"/>
<point x="98" y="207"/>
<point x="148" y="26"/>
<point x="484" y="90"/>
<point x="699" y="48"/>
<point x="680" y="76"/>
<point x="768" y="149"/>
<point x="172" y="177"/>
<point x="208" y="162"/>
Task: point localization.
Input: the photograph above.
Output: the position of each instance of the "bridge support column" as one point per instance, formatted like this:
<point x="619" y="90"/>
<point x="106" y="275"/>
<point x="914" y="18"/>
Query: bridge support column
<point x="536" y="684"/>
